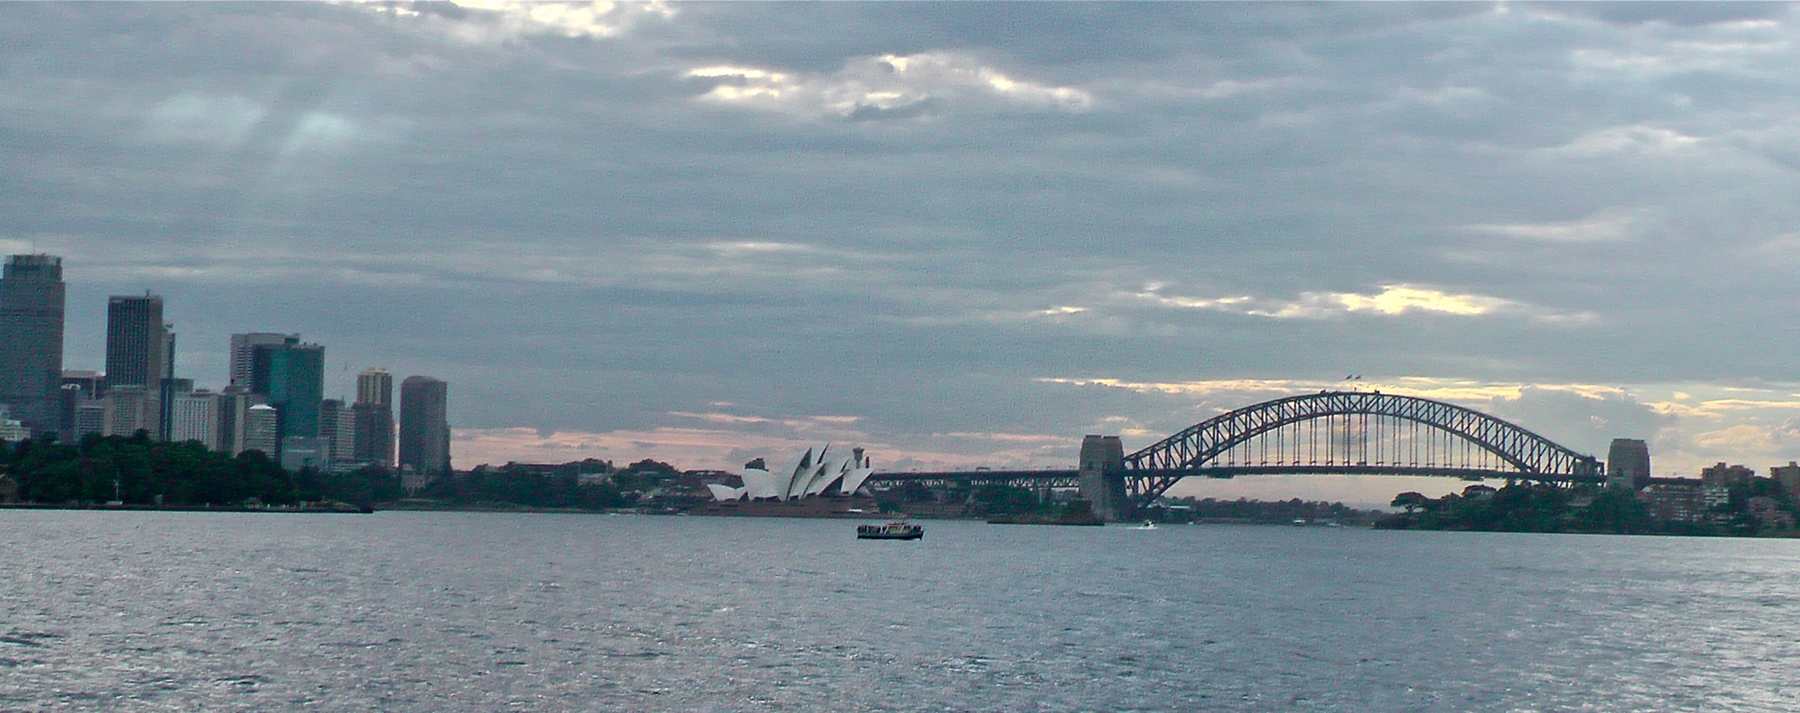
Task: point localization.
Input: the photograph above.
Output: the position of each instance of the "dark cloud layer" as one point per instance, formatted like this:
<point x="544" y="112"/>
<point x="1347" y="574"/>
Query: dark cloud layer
<point x="586" y="220"/>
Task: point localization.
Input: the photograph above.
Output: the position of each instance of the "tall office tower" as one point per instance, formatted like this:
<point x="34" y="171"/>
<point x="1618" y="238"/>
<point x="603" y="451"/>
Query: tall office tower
<point x="262" y="425"/>
<point x="194" y="416"/>
<point x="343" y="437"/>
<point x="296" y="383"/>
<point x="137" y="343"/>
<point x="375" y="386"/>
<point x="243" y="353"/>
<point x="374" y="429"/>
<point x="374" y="413"/>
<point x="136" y="339"/>
<point x="234" y="414"/>
<point x="337" y="431"/>
<point x="424" y="425"/>
<point x="31" y="339"/>
<point x="167" y="387"/>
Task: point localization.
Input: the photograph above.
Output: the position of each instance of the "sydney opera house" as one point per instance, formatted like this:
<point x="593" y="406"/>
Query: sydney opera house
<point x="826" y="472"/>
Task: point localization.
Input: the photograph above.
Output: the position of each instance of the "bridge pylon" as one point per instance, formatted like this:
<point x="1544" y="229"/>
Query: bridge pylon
<point x="1102" y="477"/>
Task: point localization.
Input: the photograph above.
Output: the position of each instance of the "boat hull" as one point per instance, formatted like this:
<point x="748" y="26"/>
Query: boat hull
<point x="883" y="536"/>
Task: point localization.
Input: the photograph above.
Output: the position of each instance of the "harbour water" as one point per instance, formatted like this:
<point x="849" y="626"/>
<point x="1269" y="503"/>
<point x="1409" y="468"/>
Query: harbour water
<point x="487" y="612"/>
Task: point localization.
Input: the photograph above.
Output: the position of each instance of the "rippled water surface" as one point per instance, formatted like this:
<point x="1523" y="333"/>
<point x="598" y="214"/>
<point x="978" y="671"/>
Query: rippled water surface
<point x="483" y="612"/>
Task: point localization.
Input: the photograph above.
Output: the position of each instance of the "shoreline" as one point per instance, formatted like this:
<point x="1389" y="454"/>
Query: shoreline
<point x="105" y="507"/>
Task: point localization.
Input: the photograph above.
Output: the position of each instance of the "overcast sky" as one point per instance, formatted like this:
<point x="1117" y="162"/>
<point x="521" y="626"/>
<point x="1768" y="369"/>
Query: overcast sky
<point x="959" y="234"/>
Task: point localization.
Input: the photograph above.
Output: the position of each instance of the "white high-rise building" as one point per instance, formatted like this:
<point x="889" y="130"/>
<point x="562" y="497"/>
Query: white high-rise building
<point x="196" y="418"/>
<point x="262" y="429"/>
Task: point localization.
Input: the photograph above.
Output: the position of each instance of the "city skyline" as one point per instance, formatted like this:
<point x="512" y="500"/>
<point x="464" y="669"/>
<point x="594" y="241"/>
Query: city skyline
<point x="955" y="248"/>
<point x="274" y="398"/>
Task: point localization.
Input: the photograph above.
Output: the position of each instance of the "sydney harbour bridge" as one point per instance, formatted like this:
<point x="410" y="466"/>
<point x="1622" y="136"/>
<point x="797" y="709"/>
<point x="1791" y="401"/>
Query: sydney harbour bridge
<point x="1330" y="432"/>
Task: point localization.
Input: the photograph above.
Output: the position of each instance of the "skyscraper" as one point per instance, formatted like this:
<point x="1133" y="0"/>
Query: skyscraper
<point x="136" y="341"/>
<point x="337" y="431"/>
<point x="262" y="355"/>
<point x="194" y="416"/>
<point x="260" y="429"/>
<point x="167" y="386"/>
<point x="374" y="414"/>
<point x="375" y="386"/>
<point x="424" y="424"/>
<point x="32" y="296"/>
<point x="235" y="403"/>
<point x="296" y="386"/>
<point x="243" y="353"/>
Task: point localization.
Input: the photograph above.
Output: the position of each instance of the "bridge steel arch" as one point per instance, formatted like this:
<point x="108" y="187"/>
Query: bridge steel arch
<point x="1153" y="470"/>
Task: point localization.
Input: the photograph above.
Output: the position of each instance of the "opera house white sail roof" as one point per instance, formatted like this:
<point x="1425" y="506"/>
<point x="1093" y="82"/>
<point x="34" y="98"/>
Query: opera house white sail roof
<point x="814" y="474"/>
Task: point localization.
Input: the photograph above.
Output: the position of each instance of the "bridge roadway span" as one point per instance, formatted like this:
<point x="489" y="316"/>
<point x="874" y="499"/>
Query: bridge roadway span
<point x="1328" y="433"/>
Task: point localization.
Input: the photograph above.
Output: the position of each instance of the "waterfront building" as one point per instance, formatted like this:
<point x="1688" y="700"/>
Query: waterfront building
<point x="90" y="419"/>
<point x="373" y="441"/>
<point x="168" y="385"/>
<point x="261" y="429"/>
<point x="234" y="417"/>
<point x="424" y="425"/>
<point x="70" y="398"/>
<point x="1715" y="495"/>
<point x="243" y="353"/>
<point x="296" y="383"/>
<point x="137" y="352"/>
<point x="32" y="297"/>
<point x="1726" y="475"/>
<point x="129" y="409"/>
<point x="1769" y="514"/>
<point x="194" y="416"/>
<point x="337" y="431"/>
<point x="302" y="452"/>
<point x="825" y="473"/>
<point x="1628" y="463"/>
<point x="12" y="430"/>
<point x="1675" y="500"/>
<point x="375" y="386"/>
<point x="136" y="339"/>
<point x="262" y="355"/>
<point x="373" y="414"/>
<point x="1789" y="477"/>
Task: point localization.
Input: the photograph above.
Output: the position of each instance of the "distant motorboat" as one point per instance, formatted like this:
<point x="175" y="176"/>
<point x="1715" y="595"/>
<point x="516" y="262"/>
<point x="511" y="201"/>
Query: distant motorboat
<point x="890" y="531"/>
<point x="1148" y="525"/>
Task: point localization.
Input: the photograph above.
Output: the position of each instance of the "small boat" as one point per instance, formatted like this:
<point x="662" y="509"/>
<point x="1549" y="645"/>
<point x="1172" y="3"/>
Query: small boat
<point x="890" y="531"/>
<point x="1148" y="525"/>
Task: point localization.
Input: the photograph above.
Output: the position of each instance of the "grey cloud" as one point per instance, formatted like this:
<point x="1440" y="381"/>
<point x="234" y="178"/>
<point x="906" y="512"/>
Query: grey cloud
<point x="551" y="216"/>
<point x="1673" y="13"/>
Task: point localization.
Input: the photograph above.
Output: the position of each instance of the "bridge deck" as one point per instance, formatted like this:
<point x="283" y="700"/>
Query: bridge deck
<point x="1225" y="471"/>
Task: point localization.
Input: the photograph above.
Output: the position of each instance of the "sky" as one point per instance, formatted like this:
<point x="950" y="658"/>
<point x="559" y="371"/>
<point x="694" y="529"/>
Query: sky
<point x="956" y="234"/>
